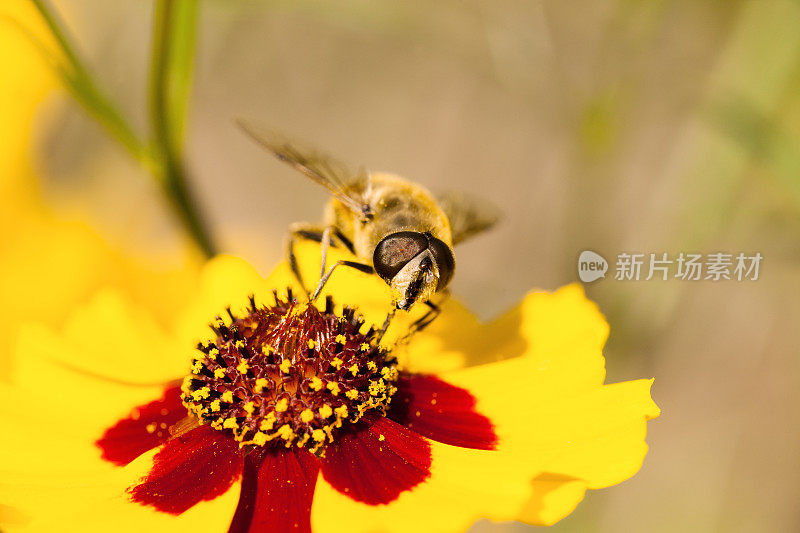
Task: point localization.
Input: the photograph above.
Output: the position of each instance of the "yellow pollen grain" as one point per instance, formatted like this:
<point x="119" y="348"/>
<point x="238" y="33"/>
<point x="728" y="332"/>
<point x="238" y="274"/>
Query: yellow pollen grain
<point x="286" y="432"/>
<point x="341" y="339"/>
<point x="266" y="350"/>
<point x="318" y="435"/>
<point x="316" y="384"/>
<point x="325" y="411"/>
<point x="219" y="373"/>
<point x="217" y="424"/>
<point x="243" y="367"/>
<point x="213" y="353"/>
<point x="249" y="407"/>
<point x="261" y="384"/>
<point x="214" y="406"/>
<point x="333" y="387"/>
<point x="285" y="366"/>
<point x="307" y="415"/>
<point x="197" y="367"/>
<point x="282" y="405"/>
<point x="260" y="439"/>
<point x="377" y="387"/>
<point x="336" y="363"/>
<point x="311" y="344"/>
<point x="381" y="437"/>
<point x="230" y="423"/>
<point x="201" y="393"/>
<point x="352" y="394"/>
<point x="151" y="428"/>
<point x="227" y="396"/>
<point x="353" y="369"/>
<point x="364" y="347"/>
<point x="268" y="423"/>
<point x="341" y="411"/>
<point x="372" y="366"/>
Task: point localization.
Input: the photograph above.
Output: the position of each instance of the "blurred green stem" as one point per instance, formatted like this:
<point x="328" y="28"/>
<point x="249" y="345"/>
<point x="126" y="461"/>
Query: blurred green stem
<point x="170" y="84"/>
<point x="87" y="93"/>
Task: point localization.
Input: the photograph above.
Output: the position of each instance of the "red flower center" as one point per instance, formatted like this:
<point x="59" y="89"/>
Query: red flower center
<point x="289" y="374"/>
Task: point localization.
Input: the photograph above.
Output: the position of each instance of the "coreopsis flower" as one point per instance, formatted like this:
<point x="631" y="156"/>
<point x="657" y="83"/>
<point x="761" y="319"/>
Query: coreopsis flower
<point x="297" y="417"/>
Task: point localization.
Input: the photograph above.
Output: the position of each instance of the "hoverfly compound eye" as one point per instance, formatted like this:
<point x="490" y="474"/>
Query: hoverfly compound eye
<point x="395" y="250"/>
<point x="445" y="261"/>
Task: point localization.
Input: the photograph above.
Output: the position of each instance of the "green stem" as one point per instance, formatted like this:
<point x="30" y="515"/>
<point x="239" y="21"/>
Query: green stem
<point x="173" y="37"/>
<point x="83" y="88"/>
<point x="170" y="82"/>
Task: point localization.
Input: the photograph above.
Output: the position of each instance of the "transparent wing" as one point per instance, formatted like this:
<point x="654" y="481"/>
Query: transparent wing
<point x="468" y="215"/>
<point x="347" y="186"/>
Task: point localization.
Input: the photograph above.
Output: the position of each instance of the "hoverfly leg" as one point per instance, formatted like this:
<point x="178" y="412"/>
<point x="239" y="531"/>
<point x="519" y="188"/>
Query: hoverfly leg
<point x="386" y="323"/>
<point x="313" y="233"/>
<point x="425" y="320"/>
<point x="326" y="240"/>
<point x="361" y="267"/>
<point x="421" y="323"/>
<point x="295" y="268"/>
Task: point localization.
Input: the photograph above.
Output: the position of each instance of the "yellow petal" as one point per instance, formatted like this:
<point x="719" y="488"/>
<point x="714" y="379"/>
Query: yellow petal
<point x="52" y="477"/>
<point x="49" y="267"/>
<point x="224" y="281"/>
<point x="86" y="398"/>
<point x="553" y="496"/>
<point x="595" y="436"/>
<point x="116" y="338"/>
<point x="452" y="499"/>
<point x="565" y="333"/>
<point x="109" y="337"/>
<point x="95" y="501"/>
<point x="542" y="324"/>
<point x="457" y="339"/>
<point x="539" y="476"/>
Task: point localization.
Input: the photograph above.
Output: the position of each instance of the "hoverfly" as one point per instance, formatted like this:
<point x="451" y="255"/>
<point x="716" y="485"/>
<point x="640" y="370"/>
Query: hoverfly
<point x="395" y="227"/>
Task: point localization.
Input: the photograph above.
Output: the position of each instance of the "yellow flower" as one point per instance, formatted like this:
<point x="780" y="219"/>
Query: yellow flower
<point x="522" y="437"/>
<point x="48" y="264"/>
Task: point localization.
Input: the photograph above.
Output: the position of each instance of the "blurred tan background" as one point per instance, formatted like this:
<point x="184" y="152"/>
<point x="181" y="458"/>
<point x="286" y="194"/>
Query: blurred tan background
<point x="611" y="125"/>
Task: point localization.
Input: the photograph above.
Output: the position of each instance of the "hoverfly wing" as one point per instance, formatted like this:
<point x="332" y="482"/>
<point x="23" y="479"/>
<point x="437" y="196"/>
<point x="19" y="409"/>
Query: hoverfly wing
<point x="347" y="186"/>
<point x="468" y="215"/>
